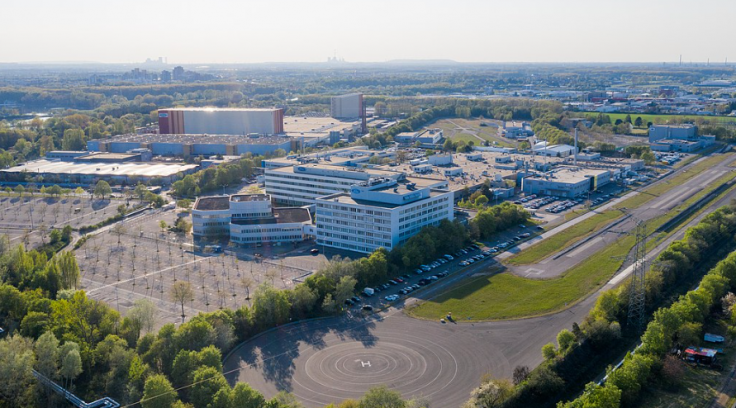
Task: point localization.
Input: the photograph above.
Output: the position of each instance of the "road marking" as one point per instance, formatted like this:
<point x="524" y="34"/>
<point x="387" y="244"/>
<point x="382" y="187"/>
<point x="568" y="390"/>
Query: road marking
<point x="533" y="271"/>
<point x="582" y="248"/>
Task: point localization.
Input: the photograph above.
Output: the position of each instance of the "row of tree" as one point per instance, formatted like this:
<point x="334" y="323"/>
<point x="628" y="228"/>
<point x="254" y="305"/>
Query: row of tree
<point x="218" y="177"/>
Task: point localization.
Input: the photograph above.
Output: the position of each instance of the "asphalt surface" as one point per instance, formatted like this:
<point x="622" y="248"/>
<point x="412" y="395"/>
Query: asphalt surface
<point x="333" y="359"/>
<point x="330" y="360"/>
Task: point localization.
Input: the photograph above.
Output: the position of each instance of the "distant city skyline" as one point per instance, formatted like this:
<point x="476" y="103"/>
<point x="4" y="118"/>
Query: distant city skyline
<point x="254" y="31"/>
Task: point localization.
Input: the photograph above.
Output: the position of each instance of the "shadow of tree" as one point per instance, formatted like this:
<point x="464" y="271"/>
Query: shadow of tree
<point x="274" y="353"/>
<point x="100" y="204"/>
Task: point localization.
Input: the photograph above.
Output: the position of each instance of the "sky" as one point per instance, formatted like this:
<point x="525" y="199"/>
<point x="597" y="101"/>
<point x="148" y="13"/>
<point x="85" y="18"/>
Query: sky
<point x="251" y="31"/>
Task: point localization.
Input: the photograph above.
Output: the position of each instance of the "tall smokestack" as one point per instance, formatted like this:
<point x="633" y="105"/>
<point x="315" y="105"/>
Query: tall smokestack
<point x="575" y="151"/>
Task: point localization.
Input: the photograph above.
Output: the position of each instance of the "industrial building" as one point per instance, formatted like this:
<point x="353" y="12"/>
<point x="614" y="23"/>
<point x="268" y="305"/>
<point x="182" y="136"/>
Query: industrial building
<point x="221" y="121"/>
<point x="679" y="132"/>
<point x="194" y="145"/>
<point x="380" y="212"/>
<point x="249" y="219"/>
<point x="87" y="173"/>
<point x="312" y="130"/>
<point x="566" y="182"/>
<point x="680" y="145"/>
<point x="516" y="130"/>
<point x="425" y="137"/>
<point x="677" y="138"/>
<point x="348" y="106"/>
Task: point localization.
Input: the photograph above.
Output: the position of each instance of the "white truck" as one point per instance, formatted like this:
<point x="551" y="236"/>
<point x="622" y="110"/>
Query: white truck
<point x="369" y="291"/>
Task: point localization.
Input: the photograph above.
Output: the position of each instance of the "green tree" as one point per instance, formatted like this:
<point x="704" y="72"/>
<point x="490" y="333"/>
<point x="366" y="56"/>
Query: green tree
<point x="548" y="351"/>
<point x="158" y="392"/>
<point x="638" y="121"/>
<point x="71" y="363"/>
<point x="246" y="397"/>
<point x="207" y="382"/>
<point x="16" y="376"/>
<point x="69" y="269"/>
<point x="345" y="289"/>
<point x="270" y="306"/>
<point x="565" y="339"/>
<point x="382" y="397"/>
<point x="142" y="315"/>
<point x="102" y="189"/>
<point x="47" y="355"/>
<point x="73" y="140"/>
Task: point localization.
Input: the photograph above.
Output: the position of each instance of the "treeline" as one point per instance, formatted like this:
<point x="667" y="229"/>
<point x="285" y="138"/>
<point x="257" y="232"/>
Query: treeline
<point x="213" y="178"/>
<point x="681" y="323"/>
<point x="581" y="352"/>
<point x="432" y="109"/>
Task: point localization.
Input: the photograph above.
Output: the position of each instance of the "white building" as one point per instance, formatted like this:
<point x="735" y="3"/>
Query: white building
<point x="249" y="219"/>
<point x="515" y="130"/>
<point x="347" y="106"/>
<point x="301" y="184"/>
<point x="379" y="213"/>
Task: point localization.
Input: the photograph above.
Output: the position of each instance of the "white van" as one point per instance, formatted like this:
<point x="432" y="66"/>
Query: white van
<point x="369" y="291"/>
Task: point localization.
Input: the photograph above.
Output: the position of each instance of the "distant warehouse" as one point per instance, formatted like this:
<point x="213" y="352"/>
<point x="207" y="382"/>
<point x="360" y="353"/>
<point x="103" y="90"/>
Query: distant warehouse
<point x="86" y="172"/>
<point x="221" y="121"/>
<point x="194" y="145"/>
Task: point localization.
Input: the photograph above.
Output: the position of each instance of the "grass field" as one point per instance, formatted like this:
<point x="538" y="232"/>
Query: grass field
<point x="487" y="133"/>
<point x="564" y="239"/>
<point x="506" y="296"/>
<point x="571" y="235"/>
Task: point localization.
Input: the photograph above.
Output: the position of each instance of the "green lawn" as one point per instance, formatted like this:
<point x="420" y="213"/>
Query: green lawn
<point x="466" y="137"/>
<point x="564" y="239"/>
<point x="504" y="295"/>
<point x="570" y="236"/>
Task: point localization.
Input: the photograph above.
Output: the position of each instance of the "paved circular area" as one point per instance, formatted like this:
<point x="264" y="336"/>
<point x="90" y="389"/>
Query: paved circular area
<point x="335" y="359"/>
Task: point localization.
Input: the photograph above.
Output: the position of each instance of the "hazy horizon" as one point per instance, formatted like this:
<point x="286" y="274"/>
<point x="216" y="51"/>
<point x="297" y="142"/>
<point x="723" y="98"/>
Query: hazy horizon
<point x="292" y="31"/>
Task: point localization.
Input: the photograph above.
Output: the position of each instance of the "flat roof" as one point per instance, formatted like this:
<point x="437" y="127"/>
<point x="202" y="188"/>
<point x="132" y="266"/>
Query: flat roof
<point x="567" y="174"/>
<point x="345" y="198"/>
<point x="196" y="139"/>
<point x="147" y="169"/>
<point x="370" y="171"/>
<point x="106" y="156"/>
<point x="205" y="109"/>
<point x="284" y="215"/>
<point x="312" y="124"/>
<point x="250" y="197"/>
<point x="213" y="203"/>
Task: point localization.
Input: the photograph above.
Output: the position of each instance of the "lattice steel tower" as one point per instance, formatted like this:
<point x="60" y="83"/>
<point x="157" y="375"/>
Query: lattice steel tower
<point x="637" y="290"/>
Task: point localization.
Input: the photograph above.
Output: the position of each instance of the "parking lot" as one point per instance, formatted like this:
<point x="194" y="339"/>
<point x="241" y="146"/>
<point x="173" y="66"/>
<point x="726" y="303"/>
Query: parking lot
<point x="137" y="259"/>
<point x="22" y="218"/>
